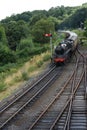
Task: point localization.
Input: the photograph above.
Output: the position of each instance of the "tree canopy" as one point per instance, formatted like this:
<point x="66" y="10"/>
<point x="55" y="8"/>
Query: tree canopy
<point x="21" y="33"/>
<point x="40" y="28"/>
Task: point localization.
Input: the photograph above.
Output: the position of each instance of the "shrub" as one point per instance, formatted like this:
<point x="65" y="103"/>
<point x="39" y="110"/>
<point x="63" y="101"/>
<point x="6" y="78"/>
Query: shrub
<point x="7" y="68"/>
<point x="28" y="52"/>
<point x="6" y="55"/>
<point x="24" y="43"/>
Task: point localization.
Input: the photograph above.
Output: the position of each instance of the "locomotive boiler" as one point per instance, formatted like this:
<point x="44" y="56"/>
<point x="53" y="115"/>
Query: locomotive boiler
<point x="65" y="49"/>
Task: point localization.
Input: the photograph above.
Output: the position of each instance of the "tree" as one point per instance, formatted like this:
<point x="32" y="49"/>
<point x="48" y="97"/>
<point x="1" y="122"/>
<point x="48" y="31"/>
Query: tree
<point x="40" y="28"/>
<point x="36" y="18"/>
<point x="74" y="21"/>
<point x="6" y="55"/>
<point x="15" y="31"/>
<point x="3" y="38"/>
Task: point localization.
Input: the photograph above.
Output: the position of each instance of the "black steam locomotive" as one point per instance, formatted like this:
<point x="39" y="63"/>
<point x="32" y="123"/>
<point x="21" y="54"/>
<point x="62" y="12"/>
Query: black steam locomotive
<point x="65" y="49"/>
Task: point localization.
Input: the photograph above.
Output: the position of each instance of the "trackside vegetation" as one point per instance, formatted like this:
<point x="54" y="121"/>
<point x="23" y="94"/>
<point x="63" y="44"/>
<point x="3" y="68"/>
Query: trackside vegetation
<point x="24" y="48"/>
<point x="10" y="80"/>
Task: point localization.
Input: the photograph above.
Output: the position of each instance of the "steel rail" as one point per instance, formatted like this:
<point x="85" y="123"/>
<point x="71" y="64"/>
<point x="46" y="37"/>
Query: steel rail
<point x="23" y="93"/>
<point x="57" y="96"/>
<point x="67" y="122"/>
<point x="85" y="66"/>
<point x="70" y="103"/>
<point x="12" y="116"/>
<point x="85" y="79"/>
<point x="67" y="103"/>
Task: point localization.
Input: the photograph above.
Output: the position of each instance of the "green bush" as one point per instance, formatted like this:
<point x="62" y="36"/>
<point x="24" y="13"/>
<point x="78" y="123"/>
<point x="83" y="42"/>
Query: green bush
<point x="24" y="43"/>
<point x="6" y="55"/>
<point x="28" y="52"/>
<point x="7" y="67"/>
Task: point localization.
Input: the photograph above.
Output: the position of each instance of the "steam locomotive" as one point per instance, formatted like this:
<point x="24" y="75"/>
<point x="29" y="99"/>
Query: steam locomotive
<point x="63" y="51"/>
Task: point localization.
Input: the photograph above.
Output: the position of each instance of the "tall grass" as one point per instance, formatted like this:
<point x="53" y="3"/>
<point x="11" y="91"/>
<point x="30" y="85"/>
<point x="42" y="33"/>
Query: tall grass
<point x="39" y="63"/>
<point x="25" y="76"/>
<point x="32" y="68"/>
<point x="16" y="75"/>
<point x="46" y="57"/>
<point x="2" y="87"/>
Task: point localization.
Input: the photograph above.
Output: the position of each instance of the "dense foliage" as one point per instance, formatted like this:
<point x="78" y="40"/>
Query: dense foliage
<point x="75" y="20"/>
<point x="22" y="35"/>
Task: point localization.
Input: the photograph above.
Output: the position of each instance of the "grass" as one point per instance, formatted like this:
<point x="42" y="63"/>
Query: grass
<point x="39" y="63"/>
<point x="32" y="68"/>
<point x="12" y="80"/>
<point x="46" y="57"/>
<point x="2" y="87"/>
<point x="24" y="76"/>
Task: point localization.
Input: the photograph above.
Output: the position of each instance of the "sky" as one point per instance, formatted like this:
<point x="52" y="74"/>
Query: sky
<point x="10" y="7"/>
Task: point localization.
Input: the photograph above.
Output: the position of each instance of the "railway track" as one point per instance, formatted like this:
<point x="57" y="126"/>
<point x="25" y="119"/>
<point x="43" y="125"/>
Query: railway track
<point x="67" y="111"/>
<point x="28" y="97"/>
<point x="75" y="110"/>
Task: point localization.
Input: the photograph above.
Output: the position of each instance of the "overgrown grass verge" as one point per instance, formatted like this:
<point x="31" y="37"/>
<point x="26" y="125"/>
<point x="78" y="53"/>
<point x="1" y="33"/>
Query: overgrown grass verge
<point x="24" y="76"/>
<point x="39" y="63"/>
<point x="2" y="87"/>
<point x="46" y="57"/>
<point x="17" y="76"/>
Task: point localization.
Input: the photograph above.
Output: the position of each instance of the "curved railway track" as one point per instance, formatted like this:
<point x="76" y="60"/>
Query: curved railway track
<point x="51" y="117"/>
<point x="9" y="111"/>
<point x="65" y="111"/>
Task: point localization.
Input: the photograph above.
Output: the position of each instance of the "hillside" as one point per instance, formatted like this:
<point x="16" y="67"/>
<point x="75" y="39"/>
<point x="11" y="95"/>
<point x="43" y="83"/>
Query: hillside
<point x="22" y="36"/>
